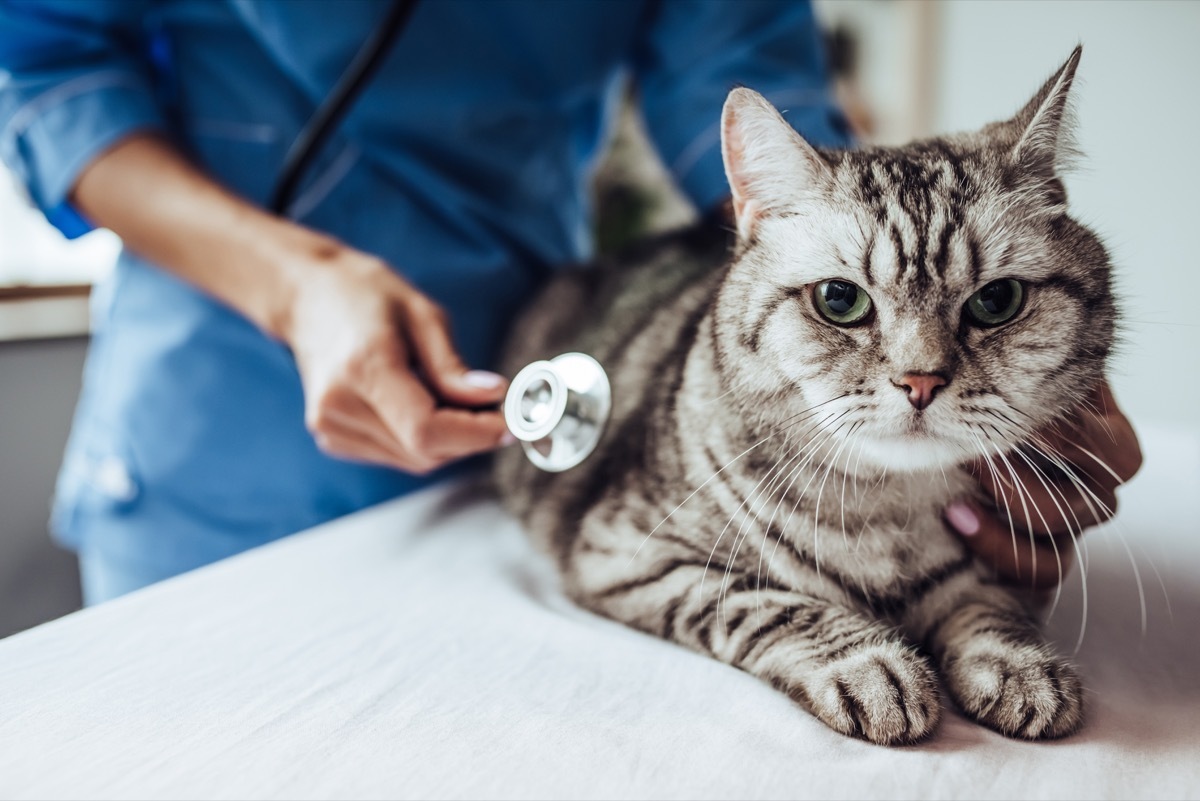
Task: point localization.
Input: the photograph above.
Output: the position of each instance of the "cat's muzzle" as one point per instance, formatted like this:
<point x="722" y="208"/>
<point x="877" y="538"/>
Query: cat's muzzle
<point x="558" y="409"/>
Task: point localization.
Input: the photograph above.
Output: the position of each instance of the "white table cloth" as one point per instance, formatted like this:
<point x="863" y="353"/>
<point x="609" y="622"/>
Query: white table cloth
<point x="421" y="649"/>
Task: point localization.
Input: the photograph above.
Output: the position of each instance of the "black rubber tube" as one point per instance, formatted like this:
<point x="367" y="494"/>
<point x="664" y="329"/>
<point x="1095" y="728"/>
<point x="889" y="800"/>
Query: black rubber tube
<point x="339" y="100"/>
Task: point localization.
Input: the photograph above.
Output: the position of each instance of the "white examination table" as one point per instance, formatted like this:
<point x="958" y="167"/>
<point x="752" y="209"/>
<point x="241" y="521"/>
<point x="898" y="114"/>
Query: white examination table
<point x="420" y="649"/>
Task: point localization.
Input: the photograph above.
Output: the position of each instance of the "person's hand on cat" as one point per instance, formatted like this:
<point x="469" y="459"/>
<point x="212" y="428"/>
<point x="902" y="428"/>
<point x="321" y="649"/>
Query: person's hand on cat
<point x="1100" y="447"/>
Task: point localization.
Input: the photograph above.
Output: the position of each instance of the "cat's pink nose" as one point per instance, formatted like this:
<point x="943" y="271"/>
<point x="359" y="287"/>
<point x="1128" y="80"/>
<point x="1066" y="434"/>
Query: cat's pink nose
<point x="921" y="387"/>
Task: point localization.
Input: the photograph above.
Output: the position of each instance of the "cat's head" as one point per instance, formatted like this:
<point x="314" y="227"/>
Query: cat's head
<point x="929" y="303"/>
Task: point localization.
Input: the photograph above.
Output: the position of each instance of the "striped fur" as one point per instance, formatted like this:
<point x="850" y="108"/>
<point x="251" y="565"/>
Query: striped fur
<point x="763" y="492"/>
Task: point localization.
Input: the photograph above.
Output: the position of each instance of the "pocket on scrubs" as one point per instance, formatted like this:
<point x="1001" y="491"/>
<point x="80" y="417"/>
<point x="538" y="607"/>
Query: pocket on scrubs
<point x="98" y="475"/>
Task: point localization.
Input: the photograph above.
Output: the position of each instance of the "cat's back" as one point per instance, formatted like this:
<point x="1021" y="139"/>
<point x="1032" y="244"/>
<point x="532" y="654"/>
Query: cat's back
<point x="636" y="314"/>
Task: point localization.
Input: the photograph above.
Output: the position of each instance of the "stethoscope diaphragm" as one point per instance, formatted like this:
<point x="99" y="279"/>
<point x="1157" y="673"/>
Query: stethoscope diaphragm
<point x="558" y="409"/>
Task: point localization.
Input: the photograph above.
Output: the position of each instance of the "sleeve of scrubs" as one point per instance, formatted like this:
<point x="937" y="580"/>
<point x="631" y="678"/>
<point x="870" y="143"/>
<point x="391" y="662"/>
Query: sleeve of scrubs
<point x="74" y="80"/>
<point x="695" y="51"/>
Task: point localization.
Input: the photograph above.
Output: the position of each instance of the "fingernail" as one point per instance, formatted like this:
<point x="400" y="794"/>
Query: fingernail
<point x="507" y="439"/>
<point x="963" y="518"/>
<point x="482" y="379"/>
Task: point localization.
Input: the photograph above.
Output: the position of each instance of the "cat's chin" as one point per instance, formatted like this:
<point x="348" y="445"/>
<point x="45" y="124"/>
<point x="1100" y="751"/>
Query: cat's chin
<point x="909" y="453"/>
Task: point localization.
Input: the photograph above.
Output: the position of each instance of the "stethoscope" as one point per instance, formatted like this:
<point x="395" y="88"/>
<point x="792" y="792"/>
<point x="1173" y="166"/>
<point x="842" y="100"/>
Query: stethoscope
<point x="557" y="409"/>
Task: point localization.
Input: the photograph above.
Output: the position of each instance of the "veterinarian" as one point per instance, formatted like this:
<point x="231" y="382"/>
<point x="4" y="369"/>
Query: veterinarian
<point x="253" y="374"/>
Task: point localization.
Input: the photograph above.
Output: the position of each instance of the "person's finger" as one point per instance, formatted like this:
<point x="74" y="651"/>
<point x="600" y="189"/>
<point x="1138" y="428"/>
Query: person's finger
<point x="1075" y="454"/>
<point x="1044" y="500"/>
<point x="431" y="341"/>
<point x="455" y="433"/>
<point x="355" y="414"/>
<point x="350" y="444"/>
<point x="1096" y="440"/>
<point x="340" y="406"/>
<point x="1110" y="435"/>
<point x="427" y="433"/>
<point x="1018" y="557"/>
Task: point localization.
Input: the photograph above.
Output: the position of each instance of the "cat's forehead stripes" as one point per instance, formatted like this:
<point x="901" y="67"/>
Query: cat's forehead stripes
<point x="920" y="256"/>
<point x="915" y="206"/>
<point x="914" y="181"/>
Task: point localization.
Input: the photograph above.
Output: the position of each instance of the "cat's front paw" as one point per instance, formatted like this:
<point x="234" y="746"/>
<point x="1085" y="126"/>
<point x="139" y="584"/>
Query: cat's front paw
<point x="884" y="693"/>
<point x="1027" y="692"/>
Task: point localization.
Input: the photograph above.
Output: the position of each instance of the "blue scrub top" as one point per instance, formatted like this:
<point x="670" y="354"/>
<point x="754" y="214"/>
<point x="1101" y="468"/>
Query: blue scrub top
<point x="465" y="164"/>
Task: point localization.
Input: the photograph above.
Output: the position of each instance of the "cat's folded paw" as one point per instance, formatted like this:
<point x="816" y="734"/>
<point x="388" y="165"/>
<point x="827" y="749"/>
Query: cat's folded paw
<point x="884" y="693"/>
<point x="1027" y="692"/>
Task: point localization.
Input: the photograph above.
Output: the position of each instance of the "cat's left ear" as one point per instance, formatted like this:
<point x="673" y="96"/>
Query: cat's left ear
<point x="769" y="166"/>
<point x="1045" y="132"/>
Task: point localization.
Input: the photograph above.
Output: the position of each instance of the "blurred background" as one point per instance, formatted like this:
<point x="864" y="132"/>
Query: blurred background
<point x="904" y="69"/>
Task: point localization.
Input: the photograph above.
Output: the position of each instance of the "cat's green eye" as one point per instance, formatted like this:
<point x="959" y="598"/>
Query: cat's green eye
<point x="996" y="303"/>
<point x="841" y="302"/>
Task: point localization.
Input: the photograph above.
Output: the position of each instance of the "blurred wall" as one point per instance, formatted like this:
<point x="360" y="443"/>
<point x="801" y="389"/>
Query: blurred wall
<point x="1138" y="125"/>
<point x="39" y="383"/>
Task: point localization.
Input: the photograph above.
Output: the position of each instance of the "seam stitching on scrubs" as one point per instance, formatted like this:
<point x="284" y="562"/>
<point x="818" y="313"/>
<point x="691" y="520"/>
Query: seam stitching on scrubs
<point x="27" y="114"/>
<point x="310" y="198"/>
<point x="258" y="133"/>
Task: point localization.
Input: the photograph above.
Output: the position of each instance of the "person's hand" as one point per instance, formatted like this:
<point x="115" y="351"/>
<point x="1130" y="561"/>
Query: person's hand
<point x="383" y="382"/>
<point x="1098" y="445"/>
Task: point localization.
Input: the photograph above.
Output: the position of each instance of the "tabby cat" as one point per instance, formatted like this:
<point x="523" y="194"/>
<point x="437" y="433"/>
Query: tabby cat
<point x="793" y="404"/>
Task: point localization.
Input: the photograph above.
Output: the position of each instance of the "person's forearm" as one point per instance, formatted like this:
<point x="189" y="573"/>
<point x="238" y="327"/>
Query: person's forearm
<point x="170" y="213"/>
<point x="382" y="380"/>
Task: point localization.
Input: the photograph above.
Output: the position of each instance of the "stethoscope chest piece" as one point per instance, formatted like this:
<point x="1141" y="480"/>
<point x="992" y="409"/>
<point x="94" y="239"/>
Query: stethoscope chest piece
<point x="558" y="408"/>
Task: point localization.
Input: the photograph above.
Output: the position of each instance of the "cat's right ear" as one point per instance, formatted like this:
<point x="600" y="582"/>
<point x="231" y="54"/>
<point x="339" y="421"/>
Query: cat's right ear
<point x="769" y="166"/>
